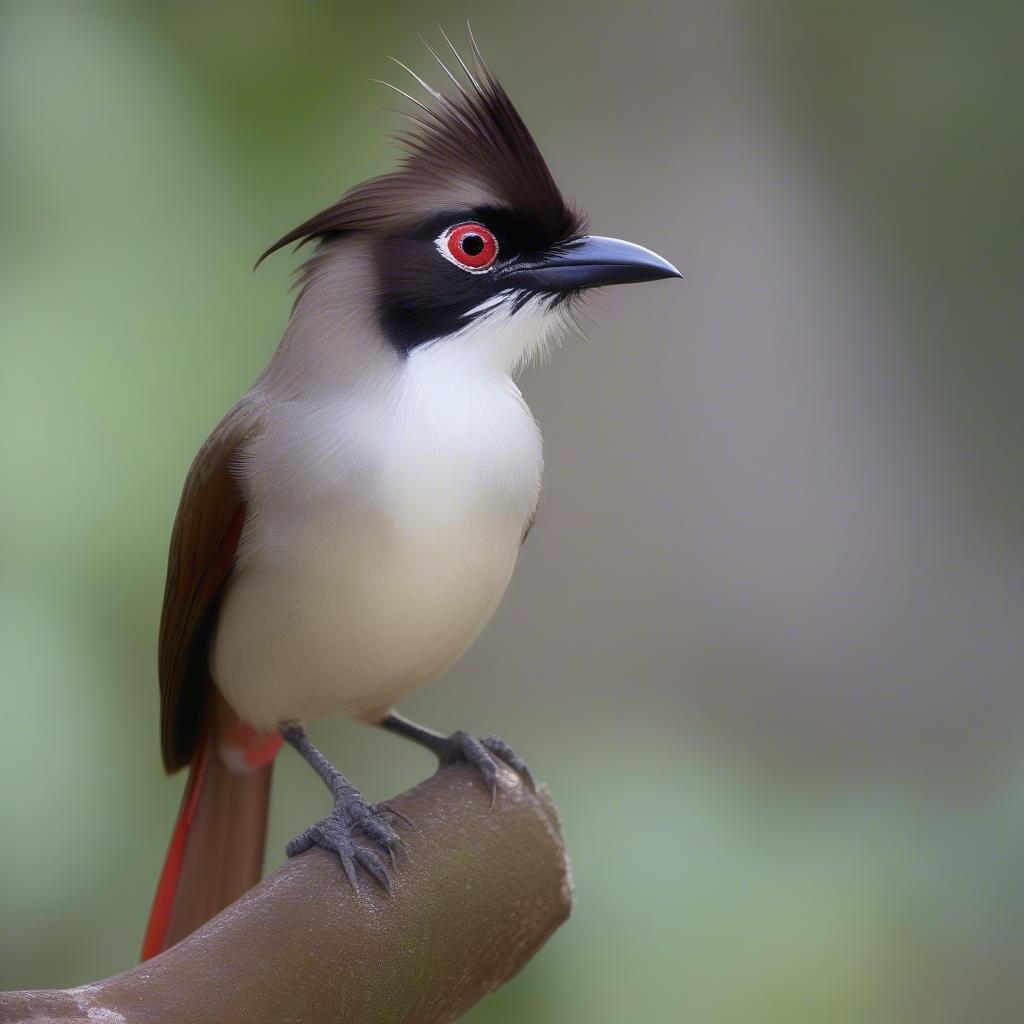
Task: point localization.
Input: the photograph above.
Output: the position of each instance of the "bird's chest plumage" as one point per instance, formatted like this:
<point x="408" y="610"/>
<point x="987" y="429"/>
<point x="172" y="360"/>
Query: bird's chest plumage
<point x="383" y="537"/>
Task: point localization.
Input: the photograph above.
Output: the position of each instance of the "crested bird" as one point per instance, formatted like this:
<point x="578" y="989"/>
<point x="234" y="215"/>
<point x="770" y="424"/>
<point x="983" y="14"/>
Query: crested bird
<point x="351" y="524"/>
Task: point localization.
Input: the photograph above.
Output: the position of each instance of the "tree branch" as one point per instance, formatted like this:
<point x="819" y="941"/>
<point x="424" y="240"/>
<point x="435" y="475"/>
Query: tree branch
<point x="479" y="891"/>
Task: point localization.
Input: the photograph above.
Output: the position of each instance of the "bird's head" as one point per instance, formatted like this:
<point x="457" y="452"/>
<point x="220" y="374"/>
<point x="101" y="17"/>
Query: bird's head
<point x="470" y="235"/>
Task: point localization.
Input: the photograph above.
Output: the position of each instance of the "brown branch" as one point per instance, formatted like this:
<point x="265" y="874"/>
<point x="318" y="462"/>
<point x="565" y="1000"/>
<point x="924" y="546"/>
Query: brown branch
<point x="480" y="890"/>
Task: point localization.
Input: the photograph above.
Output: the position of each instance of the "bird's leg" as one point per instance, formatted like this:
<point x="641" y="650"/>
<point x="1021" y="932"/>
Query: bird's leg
<point x="484" y="754"/>
<point x="351" y="813"/>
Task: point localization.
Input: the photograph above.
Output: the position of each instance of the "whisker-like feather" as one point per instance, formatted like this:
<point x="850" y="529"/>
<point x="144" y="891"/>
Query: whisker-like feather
<point x="429" y="89"/>
<point x="470" y="141"/>
<point x="403" y="93"/>
<point x="444" y="67"/>
<point x="458" y="57"/>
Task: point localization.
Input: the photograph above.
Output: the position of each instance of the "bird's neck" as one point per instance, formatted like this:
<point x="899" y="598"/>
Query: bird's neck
<point x="461" y="424"/>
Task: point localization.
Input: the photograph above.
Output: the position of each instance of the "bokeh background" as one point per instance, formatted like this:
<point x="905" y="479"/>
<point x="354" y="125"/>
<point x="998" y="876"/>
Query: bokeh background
<point x="765" y="641"/>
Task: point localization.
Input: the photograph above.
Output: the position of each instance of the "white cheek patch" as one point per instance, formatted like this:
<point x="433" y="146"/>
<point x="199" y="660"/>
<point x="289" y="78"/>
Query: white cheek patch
<point x="504" y="333"/>
<point x="494" y="300"/>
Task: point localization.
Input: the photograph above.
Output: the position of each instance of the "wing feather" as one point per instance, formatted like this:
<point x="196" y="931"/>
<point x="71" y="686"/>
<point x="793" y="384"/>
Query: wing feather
<point x="210" y="517"/>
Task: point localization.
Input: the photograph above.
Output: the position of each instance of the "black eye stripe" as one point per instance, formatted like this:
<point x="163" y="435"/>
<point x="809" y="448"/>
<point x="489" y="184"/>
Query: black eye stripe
<point x="514" y="235"/>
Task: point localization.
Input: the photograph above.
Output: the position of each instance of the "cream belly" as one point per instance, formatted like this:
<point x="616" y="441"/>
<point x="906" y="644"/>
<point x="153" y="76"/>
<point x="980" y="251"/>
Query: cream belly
<point x="361" y="579"/>
<point x="356" y="626"/>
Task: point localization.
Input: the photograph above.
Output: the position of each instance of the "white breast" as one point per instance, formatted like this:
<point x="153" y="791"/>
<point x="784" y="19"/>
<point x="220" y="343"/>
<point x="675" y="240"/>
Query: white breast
<point x="379" y="541"/>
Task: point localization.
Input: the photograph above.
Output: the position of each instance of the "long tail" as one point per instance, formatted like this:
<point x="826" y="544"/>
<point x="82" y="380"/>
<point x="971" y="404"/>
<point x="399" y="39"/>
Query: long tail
<point x="216" y="850"/>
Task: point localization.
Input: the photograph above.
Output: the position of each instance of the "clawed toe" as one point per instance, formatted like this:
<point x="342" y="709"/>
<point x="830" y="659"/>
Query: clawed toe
<point x="374" y="866"/>
<point x="385" y="808"/>
<point x="351" y="814"/>
<point x="303" y="842"/>
<point x="374" y="827"/>
<point x="336" y="833"/>
<point x="511" y="758"/>
<point x="485" y="754"/>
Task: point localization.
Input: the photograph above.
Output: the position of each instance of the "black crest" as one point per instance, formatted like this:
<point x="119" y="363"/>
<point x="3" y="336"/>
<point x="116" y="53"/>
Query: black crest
<point x="465" y="148"/>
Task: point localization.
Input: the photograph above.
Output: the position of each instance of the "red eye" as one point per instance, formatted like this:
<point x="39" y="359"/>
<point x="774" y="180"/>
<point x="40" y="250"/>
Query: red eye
<point x="471" y="246"/>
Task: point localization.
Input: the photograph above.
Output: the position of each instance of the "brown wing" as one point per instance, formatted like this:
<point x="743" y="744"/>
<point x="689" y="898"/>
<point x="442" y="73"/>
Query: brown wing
<point x="206" y="530"/>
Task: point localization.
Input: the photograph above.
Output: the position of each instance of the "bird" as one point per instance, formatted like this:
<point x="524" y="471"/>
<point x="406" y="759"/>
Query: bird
<point x="351" y="524"/>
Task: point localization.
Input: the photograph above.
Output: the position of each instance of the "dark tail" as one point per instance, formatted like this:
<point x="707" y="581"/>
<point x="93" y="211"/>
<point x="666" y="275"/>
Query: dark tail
<point x="216" y="850"/>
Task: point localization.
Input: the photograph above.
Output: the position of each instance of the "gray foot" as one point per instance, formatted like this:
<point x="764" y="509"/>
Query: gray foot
<point x="352" y="815"/>
<point x="484" y="755"/>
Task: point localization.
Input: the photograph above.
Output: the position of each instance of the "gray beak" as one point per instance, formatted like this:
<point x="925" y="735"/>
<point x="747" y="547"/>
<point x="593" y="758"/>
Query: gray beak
<point x="589" y="262"/>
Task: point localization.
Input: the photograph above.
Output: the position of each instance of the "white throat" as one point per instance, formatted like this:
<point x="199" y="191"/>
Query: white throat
<point x="377" y="562"/>
<point x="499" y="336"/>
<point x="463" y="431"/>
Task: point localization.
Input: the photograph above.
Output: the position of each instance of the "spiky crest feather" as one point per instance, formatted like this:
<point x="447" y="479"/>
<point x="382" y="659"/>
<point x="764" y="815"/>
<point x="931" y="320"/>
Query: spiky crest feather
<point x="472" y="142"/>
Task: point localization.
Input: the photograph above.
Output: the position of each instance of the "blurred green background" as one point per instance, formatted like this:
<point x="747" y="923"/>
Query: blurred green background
<point x="765" y="642"/>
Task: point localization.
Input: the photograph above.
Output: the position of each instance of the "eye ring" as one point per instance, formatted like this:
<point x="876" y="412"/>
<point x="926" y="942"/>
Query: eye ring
<point x="470" y="246"/>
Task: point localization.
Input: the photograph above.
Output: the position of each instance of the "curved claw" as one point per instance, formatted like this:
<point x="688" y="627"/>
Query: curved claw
<point x="385" y="808"/>
<point x="482" y="754"/>
<point x="349" y="867"/>
<point x="374" y="866"/>
<point x="335" y="833"/>
<point x="511" y="758"/>
<point x="376" y="828"/>
<point x="381" y="832"/>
